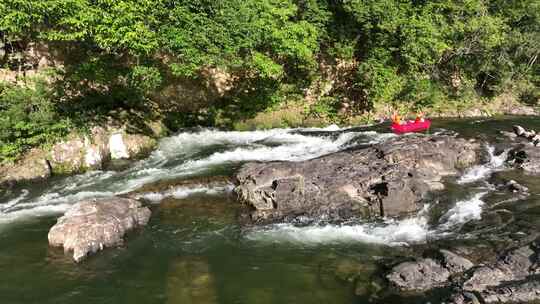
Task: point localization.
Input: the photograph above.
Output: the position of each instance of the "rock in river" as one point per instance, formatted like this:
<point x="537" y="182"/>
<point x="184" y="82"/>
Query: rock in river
<point x="428" y="273"/>
<point x="91" y="225"/>
<point x="525" y="157"/>
<point x="386" y="179"/>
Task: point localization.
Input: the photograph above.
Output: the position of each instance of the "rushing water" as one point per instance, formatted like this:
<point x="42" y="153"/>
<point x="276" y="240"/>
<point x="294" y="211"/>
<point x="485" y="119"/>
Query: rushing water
<point x="193" y="250"/>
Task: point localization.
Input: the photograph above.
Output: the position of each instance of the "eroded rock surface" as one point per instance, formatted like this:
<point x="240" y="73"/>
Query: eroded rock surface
<point x="91" y="225"/>
<point x="428" y="273"/>
<point x="387" y="179"/>
<point x="514" y="277"/>
<point x="516" y="265"/>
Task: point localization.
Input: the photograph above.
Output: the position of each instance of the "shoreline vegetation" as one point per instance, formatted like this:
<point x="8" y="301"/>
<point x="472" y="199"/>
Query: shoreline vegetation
<point x="146" y="68"/>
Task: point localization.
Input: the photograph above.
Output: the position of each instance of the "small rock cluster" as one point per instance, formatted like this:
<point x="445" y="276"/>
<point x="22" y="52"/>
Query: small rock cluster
<point x="91" y="225"/>
<point x="531" y="135"/>
<point x="512" y="278"/>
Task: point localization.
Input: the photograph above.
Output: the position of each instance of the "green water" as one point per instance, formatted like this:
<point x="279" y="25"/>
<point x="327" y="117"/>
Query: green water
<point x="193" y="250"/>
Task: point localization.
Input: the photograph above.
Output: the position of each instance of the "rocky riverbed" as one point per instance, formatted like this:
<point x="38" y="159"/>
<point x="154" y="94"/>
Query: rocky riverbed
<point x="334" y="215"/>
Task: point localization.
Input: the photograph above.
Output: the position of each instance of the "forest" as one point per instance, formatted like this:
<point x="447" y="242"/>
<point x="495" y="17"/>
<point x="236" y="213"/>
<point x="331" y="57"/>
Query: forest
<point x="332" y="58"/>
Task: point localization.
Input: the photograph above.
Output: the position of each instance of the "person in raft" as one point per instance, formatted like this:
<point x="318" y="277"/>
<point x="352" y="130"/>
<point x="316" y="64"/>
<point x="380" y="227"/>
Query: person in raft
<point x="419" y="117"/>
<point x="396" y="119"/>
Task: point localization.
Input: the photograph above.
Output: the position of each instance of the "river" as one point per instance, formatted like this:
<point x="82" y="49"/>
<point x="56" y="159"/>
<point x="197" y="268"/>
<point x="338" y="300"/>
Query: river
<point x="194" y="251"/>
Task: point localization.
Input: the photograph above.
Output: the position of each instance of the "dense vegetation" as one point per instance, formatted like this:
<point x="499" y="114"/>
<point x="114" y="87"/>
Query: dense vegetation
<point x="121" y="54"/>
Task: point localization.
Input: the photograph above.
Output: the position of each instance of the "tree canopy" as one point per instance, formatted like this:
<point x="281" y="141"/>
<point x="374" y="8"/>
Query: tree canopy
<point x="420" y="52"/>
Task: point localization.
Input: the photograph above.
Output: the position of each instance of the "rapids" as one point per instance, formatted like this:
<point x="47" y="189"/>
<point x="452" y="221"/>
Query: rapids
<point x="193" y="244"/>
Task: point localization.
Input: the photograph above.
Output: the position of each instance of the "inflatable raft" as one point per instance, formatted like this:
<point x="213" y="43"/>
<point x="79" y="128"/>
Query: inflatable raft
<point x="412" y="126"/>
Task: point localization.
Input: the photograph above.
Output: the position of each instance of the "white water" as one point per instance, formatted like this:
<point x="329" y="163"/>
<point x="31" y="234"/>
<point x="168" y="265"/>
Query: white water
<point x="412" y="230"/>
<point x="463" y="212"/>
<point x="177" y="156"/>
<point x="479" y="172"/>
<point x="11" y="203"/>
<point x="390" y="232"/>
<point x="185" y="154"/>
<point x="183" y="192"/>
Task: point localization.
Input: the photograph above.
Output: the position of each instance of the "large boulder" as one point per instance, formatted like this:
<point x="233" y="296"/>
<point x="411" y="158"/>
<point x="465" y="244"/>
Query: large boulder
<point x="386" y="179"/>
<point x="92" y="225"/>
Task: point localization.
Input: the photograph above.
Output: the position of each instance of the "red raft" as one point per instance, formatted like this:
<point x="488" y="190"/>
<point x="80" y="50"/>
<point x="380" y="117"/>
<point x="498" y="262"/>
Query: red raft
<point x="412" y="126"/>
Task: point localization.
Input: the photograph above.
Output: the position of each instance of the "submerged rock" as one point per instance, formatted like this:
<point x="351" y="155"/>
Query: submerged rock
<point x="387" y="179"/>
<point x="190" y="281"/>
<point x="91" y="225"/>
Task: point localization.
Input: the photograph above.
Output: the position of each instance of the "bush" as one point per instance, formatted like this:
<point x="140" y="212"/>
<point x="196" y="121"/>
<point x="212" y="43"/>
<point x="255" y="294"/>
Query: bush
<point x="28" y="118"/>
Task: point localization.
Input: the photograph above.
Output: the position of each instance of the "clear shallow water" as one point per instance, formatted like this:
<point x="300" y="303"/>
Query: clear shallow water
<point x="193" y="251"/>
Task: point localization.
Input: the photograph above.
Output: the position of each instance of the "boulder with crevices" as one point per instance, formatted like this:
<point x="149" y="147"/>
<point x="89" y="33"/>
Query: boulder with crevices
<point x="92" y="225"/>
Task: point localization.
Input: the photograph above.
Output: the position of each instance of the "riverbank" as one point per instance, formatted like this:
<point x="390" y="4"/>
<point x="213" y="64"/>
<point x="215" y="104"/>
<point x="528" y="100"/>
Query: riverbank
<point x="296" y="115"/>
<point x="83" y="151"/>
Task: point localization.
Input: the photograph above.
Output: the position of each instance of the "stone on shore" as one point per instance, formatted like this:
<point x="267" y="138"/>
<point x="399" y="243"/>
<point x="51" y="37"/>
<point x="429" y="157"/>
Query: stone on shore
<point x="91" y="225"/>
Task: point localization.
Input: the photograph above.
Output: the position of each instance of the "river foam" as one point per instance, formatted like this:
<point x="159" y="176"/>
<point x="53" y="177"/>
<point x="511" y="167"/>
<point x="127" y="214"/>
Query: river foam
<point x="479" y="172"/>
<point x="463" y="212"/>
<point x="390" y="232"/>
<point x="184" y="192"/>
<point x="188" y="154"/>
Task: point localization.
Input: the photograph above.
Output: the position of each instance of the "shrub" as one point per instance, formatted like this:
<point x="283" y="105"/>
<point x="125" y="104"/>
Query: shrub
<point x="28" y="118"/>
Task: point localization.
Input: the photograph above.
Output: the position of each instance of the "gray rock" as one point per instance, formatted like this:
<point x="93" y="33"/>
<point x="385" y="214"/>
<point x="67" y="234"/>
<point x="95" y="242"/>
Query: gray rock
<point x="464" y="298"/>
<point x="428" y="273"/>
<point x="530" y="135"/>
<point x="525" y="157"/>
<point x="517" y="264"/>
<point x="519" y="130"/>
<point x="514" y="186"/>
<point x="455" y="263"/>
<point x="483" y="277"/>
<point x="518" y="292"/>
<point x="387" y="179"/>
<point x="514" y="292"/>
<point x="418" y="276"/>
<point x="91" y="225"/>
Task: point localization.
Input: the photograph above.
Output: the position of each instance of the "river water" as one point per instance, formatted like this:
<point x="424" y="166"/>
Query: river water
<point x="193" y="250"/>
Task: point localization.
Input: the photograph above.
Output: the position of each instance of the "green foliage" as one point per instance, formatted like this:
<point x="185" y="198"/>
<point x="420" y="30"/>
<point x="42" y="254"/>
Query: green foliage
<point x="146" y="79"/>
<point x="326" y="108"/>
<point x="27" y="118"/>
<point x="121" y="53"/>
<point x="380" y="81"/>
<point x="422" y="92"/>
